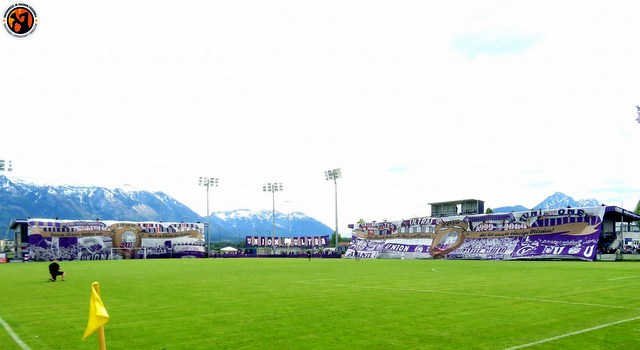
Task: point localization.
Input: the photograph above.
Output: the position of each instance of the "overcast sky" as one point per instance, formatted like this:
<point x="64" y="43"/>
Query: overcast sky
<point x="416" y="101"/>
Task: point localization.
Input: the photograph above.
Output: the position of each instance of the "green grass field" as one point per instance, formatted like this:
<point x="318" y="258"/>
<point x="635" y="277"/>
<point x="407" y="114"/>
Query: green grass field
<point x="326" y="304"/>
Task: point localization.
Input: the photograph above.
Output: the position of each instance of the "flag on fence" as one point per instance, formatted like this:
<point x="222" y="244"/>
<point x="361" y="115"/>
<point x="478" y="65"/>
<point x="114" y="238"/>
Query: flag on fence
<point x="98" y="315"/>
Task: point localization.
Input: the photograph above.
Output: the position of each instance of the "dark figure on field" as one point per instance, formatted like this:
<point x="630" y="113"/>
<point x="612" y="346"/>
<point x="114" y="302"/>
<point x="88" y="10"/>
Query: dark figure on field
<point x="356" y="255"/>
<point x="309" y="254"/>
<point x="54" y="270"/>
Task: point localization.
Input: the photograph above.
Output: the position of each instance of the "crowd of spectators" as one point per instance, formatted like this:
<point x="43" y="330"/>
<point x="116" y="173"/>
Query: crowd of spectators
<point x="625" y="250"/>
<point x="630" y="250"/>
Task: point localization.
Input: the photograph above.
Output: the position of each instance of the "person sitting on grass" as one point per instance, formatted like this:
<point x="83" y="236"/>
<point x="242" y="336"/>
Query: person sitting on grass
<point x="54" y="270"/>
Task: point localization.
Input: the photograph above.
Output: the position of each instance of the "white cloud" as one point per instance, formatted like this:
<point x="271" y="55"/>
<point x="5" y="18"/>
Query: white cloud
<point x="493" y="42"/>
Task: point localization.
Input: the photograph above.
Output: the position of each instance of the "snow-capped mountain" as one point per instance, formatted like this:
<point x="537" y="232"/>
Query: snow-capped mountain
<point x="561" y="200"/>
<point x="260" y="223"/>
<point x="555" y="201"/>
<point x="510" y="209"/>
<point x="19" y="199"/>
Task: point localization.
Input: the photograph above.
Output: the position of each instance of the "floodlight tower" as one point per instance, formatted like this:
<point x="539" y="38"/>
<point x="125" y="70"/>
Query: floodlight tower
<point x="208" y="182"/>
<point x="273" y="187"/>
<point x="334" y="174"/>
<point x="6" y="166"/>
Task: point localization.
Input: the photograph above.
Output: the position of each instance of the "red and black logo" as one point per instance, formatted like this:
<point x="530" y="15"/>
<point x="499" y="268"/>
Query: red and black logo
<point x="20" y="20"/>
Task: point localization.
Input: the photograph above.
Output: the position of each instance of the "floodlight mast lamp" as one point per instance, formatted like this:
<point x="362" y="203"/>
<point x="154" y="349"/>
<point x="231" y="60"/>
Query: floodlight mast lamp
<point x="8" y="165"/>
<point x="208" y="182"/>
<point x="273" y="187"/>
<point x="335" y="174"/>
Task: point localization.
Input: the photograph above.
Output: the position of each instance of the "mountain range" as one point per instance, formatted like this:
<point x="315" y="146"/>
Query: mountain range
<point x="554" y="201"/>
<point x="20" y="199"/>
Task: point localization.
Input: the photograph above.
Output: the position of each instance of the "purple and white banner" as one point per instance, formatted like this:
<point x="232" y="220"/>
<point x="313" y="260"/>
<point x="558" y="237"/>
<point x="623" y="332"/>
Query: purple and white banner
<point x="539" y="234"/>
<point x="102" y="240"/>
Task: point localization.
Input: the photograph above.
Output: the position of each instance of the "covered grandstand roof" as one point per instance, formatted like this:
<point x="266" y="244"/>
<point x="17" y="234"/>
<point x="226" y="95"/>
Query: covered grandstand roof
<point x="620" y="214"/>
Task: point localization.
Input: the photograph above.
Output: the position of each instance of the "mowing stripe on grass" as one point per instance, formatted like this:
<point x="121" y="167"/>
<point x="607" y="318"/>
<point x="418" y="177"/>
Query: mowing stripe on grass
<point x="13" y="335"/>
<point x="467" y="294"/>
<point x="572" y="333"/>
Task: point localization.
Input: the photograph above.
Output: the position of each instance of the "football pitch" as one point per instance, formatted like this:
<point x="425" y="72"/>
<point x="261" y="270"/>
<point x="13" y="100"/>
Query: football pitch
<point x="325" y="304"/>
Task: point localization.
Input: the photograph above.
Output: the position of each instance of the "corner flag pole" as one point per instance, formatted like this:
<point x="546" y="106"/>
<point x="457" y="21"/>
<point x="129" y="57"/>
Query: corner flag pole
<point x="101" y="340"/>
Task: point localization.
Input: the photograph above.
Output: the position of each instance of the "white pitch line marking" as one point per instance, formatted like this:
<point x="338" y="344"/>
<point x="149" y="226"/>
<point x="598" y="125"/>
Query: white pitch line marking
<point x="622" y="278"/>
<point x="468" y="294"/>
<point x="13" y="335"/>
<point x="503" y="297"/>
<point x="572" y="333"/>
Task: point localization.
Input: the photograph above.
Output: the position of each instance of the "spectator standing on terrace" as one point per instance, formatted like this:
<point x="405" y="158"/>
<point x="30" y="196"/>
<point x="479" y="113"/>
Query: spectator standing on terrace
<point x="54" y="270"/>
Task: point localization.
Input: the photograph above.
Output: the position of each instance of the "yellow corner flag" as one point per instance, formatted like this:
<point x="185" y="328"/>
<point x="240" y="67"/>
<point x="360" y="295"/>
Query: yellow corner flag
<point x="98" y="315"/>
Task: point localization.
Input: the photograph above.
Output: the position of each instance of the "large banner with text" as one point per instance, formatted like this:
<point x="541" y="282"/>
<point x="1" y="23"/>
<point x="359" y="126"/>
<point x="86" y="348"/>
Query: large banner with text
<point x="304" y="241"/>
<point x="102" y="240"/>
<point x="538" y="234"/>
